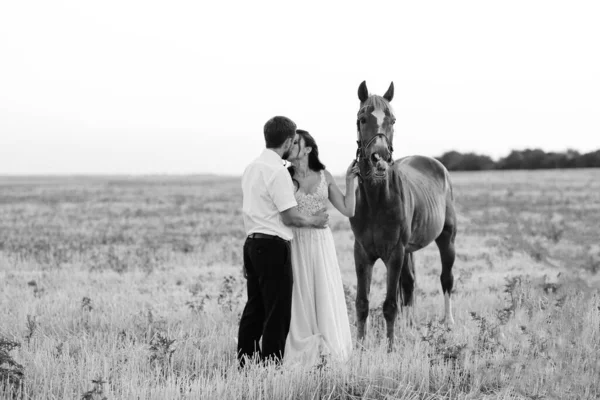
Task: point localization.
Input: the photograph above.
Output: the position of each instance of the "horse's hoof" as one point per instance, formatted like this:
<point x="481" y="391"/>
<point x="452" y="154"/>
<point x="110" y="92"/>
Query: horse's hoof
<point x="449" y="322"/>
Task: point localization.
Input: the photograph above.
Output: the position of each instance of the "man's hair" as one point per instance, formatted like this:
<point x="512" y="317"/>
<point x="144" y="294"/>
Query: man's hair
<point x="277" y="130"/>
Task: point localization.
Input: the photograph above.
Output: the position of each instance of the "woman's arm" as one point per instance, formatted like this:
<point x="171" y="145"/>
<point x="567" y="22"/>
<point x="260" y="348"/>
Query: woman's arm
<point x="344" y="203"/>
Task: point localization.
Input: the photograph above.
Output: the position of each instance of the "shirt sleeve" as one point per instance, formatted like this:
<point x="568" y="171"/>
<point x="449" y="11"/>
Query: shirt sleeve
<point x="281" y="189"/>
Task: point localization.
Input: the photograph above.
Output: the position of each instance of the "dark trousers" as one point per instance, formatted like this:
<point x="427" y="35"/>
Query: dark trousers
<point x="268" y="270"/>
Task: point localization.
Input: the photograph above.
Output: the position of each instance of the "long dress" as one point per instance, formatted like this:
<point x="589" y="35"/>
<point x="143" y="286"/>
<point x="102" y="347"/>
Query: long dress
<point x="319" y="328"/>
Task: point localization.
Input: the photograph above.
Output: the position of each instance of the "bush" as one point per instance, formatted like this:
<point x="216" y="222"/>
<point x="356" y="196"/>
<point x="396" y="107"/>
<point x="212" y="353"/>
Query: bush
<point x="520" y="159"/>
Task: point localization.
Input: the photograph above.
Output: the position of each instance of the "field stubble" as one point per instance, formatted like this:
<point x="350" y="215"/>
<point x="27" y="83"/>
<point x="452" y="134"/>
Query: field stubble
<point x="116" y="287"/>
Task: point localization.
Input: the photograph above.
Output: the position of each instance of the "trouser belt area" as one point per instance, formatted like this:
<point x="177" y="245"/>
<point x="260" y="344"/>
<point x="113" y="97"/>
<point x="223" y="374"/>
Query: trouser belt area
<point x="265" y="236"/>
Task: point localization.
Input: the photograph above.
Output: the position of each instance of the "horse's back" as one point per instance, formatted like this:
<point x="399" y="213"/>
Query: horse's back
<point x="426" y="171"/>
<point x="430" y="189"/>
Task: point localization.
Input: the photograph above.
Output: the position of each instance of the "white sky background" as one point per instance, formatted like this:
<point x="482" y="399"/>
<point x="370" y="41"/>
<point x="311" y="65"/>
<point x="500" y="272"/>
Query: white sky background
<point x="143" y="87"/>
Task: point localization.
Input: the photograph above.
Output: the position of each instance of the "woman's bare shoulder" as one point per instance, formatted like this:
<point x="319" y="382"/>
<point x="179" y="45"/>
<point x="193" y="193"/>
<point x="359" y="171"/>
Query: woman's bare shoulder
<point x="328" y="176"/>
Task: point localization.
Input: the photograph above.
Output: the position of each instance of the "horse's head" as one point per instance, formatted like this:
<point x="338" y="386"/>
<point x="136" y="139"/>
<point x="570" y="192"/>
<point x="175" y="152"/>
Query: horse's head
<point x="375" y="126"/>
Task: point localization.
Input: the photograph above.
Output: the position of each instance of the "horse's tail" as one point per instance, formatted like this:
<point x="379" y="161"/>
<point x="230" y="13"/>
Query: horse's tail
<point x="449" y="181"/>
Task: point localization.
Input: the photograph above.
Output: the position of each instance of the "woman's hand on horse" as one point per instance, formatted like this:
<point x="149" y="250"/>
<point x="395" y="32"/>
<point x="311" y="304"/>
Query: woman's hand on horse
<point x="352" y="170"/>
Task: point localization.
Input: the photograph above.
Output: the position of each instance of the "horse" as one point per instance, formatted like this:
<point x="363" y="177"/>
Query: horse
<point x="402" y="206"/>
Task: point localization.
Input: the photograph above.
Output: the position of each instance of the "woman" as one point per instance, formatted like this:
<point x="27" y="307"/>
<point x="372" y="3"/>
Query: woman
<point x="319" y="327"/>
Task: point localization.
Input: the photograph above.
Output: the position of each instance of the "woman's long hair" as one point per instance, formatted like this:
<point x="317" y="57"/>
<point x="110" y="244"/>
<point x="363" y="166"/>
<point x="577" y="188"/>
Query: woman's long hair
<point x="314" y="163"/>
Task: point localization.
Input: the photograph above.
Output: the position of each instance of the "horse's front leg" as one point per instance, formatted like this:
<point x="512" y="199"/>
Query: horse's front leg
<point x="390" y="305"/>
<point x="364" y="272"/>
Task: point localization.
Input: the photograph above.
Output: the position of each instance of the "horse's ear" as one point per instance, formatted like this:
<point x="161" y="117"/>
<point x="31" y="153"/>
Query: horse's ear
<point x="389" y="95"/>
<point x="363" y="93"/>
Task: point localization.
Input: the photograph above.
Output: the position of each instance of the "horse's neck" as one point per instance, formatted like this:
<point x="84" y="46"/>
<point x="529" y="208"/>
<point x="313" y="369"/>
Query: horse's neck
<point x="382" y="193"/>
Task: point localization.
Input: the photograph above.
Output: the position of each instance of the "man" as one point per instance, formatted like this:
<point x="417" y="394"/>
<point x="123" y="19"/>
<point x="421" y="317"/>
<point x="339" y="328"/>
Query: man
<point x="269" y="209"/>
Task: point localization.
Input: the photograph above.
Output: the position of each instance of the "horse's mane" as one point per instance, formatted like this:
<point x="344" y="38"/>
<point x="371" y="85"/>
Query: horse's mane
<point x="378" y="102"/>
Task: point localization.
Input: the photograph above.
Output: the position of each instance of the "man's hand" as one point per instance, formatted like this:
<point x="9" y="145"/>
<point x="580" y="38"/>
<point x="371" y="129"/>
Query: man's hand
<point x="321" y="218"/>
<point x="292" y="217"/>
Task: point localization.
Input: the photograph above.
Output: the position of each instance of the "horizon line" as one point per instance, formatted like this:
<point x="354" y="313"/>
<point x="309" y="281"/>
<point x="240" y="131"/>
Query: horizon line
<point x="199" y="174"/>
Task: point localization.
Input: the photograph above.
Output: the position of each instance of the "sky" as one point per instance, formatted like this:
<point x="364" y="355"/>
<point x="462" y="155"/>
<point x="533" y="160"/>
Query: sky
<point x="185" y="87"/>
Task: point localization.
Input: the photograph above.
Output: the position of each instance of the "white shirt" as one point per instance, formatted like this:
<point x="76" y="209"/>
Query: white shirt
<point x="268" y="190"/>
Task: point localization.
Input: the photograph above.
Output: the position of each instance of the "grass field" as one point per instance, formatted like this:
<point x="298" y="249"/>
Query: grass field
<point x="132" y="288"/>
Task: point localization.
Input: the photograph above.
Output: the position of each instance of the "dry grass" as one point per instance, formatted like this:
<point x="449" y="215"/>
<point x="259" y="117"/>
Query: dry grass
<point x="127" y="288"/>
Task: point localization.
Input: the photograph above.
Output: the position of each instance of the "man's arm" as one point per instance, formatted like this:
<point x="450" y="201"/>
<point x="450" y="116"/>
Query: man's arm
<point x="281" y="190"/>
<point x="292" y="217"/>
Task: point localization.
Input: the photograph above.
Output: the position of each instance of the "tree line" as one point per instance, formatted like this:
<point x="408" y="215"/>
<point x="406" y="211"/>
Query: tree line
<point x="520" y="159"/>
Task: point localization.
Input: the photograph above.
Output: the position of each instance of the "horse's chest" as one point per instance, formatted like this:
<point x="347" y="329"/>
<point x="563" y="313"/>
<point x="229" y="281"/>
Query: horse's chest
<point x="380" y="231"/>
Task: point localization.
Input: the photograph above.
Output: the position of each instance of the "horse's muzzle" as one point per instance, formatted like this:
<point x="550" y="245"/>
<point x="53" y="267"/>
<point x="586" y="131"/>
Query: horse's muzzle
<point x="378" y="163"/>
<point x="377" y="169"/>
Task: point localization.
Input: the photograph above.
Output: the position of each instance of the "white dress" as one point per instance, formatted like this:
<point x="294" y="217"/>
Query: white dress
<point x="319" y="326"/>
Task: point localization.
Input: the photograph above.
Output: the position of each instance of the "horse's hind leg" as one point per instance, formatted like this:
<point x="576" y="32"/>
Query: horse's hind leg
<point x="390" y="305"/>
<point x="364" y="272"/>
<point x="407" y="280"/>
<point x="407" y="287"/>
<point x="445" y="243"/>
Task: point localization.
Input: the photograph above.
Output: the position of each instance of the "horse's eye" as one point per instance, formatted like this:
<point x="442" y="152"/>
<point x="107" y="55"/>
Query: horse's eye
<point x="393" y="121"/>
<point x="362" y="120"/>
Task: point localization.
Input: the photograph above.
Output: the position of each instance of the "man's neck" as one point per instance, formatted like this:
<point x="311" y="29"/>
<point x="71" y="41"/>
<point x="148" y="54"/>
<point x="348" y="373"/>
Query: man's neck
<point x="277" y="151"/>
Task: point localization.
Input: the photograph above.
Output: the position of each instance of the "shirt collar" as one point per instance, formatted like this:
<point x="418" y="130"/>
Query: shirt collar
<point x="272" y="156"/>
